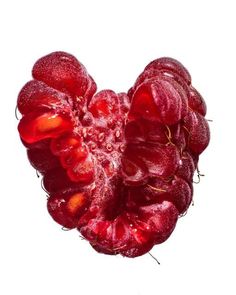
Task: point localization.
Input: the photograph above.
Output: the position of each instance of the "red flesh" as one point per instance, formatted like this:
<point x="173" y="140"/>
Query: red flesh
<point x="117" y="167"/>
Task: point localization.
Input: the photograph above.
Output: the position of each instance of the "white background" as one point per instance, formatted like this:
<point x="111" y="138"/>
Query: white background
<point x="115" y="40"/>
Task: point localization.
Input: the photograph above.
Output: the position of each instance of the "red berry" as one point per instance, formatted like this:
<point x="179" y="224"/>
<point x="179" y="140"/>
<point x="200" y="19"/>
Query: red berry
<point x="196" y="101"/>
<point x="159" y="99"/>
<point x="117" y="167"/>
<point x="64" y="72"/>
<point x="66" y="209"/>
<point x="38" y="95"/>
<point x="42" y="159"/>
<point x="198" y="133"/>
<point x="40" y="125"/>
<point x="169" y="64"/>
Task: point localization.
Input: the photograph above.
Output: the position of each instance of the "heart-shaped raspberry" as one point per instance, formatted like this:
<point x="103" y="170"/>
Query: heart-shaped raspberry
<point x="118" y="167"/>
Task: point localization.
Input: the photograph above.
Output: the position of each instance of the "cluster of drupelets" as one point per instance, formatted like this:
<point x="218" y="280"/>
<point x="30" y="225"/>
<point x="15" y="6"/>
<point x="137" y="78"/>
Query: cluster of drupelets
<point x="118" y="167"/>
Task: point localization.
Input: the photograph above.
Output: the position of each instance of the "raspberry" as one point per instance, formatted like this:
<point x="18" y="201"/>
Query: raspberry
<point x="117" y="167"/>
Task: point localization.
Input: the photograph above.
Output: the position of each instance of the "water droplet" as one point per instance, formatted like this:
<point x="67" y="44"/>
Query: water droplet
<point x="87" y="120"/>
<point x="90" y="131"/>
<point x="92" y="146"/>
<point x="109" y="147"/>
<point x="122" y="147"/>
<point x="78" y="99"/>
<point x="101" y="136"/>
<point x="117" y="134"/>
<point x="84" y="132"/>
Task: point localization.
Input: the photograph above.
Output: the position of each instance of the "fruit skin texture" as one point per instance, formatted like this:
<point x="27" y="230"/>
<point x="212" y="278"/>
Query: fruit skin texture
<point x="117" y="167"/>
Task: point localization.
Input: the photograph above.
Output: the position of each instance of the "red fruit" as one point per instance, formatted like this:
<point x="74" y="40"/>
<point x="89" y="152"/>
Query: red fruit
<point x="37" y="126"/>
<point x="169" y="64"/>
<point x="82" y="170"/>
<point x="117" y="167"/>
<point x="177" y="191"/>
<point x="159" y="99"/>
<point x="142" y="130"/>
<point x="159" y="160"/>
<point x="196" y="101"/>
<point x="42" y="159"/>
<point x="66" y="209"/>
<point x="65" y="144"/>
<point x="197" y="131"/>
<point x="160" y="219"/>
<point x="186" y="167"/>
<point x="38" y="95"/>
<point x="104" y="104"/>
<point x="56" y="181"/>
<point x="65" y="73"/>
